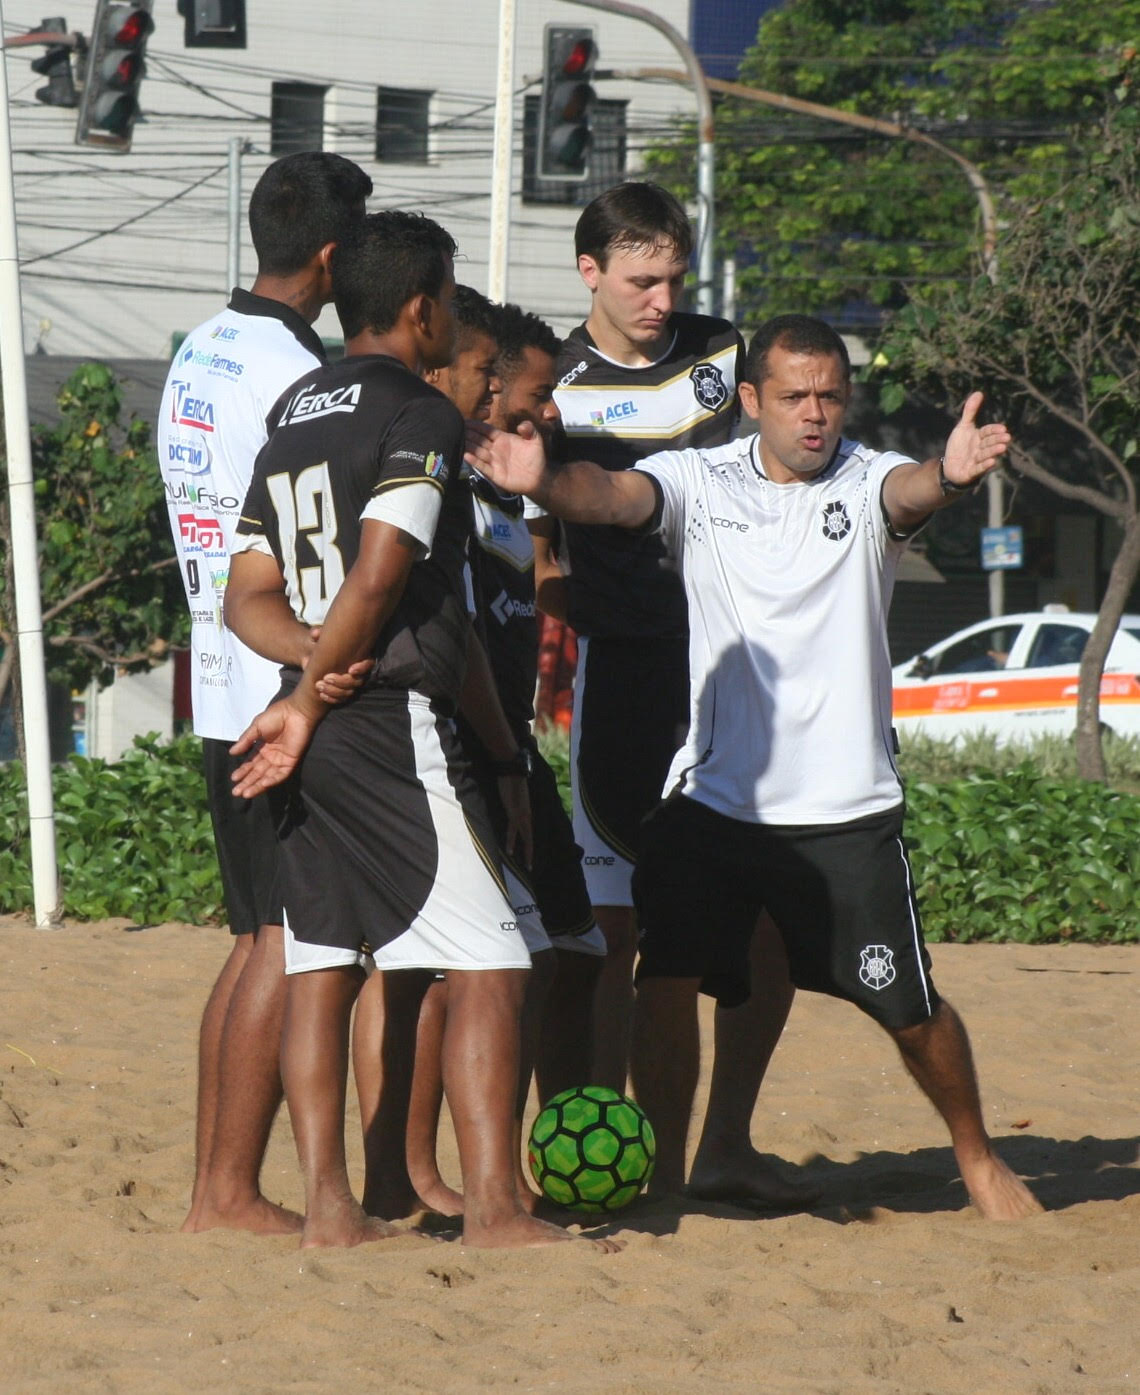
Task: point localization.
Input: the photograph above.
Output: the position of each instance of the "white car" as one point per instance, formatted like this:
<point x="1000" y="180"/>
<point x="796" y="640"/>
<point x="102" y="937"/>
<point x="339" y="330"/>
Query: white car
<point x="1016" y="677"/>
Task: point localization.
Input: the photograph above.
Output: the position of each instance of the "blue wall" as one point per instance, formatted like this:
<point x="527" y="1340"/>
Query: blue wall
<point x="720" y="31"/>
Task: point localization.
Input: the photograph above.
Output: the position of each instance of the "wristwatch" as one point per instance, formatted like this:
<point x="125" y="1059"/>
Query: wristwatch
<point x="521" y="763"/>
<point x="948" y="486"/>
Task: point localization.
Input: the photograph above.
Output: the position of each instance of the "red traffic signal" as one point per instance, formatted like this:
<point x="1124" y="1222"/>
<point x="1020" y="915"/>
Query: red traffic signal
<point x="564" y="134"/>
<point x="115" y="70"/>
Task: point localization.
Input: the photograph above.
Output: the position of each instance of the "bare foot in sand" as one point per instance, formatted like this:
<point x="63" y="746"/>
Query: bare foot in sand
<point x="519" y="1231"/>
<point x="255" y="1214"/>
<point x="341" y="1221"/>
<point x="750" y="1180"/>
<point x="441" y="1198"/>
<point x="997" y="1193"/>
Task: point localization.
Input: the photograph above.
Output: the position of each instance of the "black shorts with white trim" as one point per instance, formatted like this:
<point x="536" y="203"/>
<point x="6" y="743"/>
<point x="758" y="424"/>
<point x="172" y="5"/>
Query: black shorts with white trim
<point x="842" y="896"/>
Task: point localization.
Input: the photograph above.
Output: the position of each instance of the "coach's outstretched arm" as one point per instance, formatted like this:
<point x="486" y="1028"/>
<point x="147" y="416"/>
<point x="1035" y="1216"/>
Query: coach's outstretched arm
<point x="578" y="490"/>
<point x="913" y="492"/>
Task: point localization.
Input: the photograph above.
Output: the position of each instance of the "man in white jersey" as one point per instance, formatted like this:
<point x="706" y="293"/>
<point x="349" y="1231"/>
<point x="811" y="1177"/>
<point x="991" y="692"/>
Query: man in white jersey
<point x="785" y="795"/>
<point x="222" y="383"/>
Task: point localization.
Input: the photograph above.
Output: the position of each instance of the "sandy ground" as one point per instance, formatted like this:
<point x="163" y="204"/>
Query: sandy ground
<point x="892" y="1285"/>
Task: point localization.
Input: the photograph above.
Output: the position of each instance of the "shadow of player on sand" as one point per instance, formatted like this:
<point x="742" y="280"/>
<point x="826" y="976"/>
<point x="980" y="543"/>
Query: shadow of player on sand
<point x="1061" y="1173"/>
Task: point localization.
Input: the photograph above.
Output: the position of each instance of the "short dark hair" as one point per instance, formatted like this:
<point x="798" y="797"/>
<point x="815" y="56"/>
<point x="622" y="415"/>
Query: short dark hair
<point x="632" y="215"/>
<point x="474" y="314"/>
<point x="300" y="204"/>
<point x="517" y="330"/>
<point x="383" y="262"/>
<point x="798" y="334"/>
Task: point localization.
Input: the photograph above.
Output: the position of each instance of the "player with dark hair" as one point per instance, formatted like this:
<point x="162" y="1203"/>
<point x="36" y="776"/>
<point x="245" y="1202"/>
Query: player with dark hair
<point x="788" y="542"/>
<point x="358" y="513"/>
<point x="223" y="381"/>
<point x="641" y="376"/>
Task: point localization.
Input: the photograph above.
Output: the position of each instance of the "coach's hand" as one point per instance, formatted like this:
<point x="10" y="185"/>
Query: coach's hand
<point x="972" y="451"/>
<point x="284" y="733"/>
<point x="519" y="837"/>
<point x="515" y="461"/>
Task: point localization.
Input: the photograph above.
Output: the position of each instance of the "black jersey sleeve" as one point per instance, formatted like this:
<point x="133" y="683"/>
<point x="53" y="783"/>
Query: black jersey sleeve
<point x="417" y="455"/>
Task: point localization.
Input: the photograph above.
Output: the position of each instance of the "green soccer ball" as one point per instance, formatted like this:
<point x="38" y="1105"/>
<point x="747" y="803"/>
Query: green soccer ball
<point x="591" y="1149"/>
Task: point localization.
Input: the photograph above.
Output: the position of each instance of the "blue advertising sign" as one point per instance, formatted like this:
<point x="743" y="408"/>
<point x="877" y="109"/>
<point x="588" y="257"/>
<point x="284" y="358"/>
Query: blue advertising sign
<point x="1003" y="549"/>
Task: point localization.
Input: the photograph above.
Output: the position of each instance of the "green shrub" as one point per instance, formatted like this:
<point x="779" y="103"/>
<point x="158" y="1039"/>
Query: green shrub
<point x="133" y="838"/>
<point x="1006" y="853"/>
<point x="1024" y="856"/>
<point x="923" y="757"/>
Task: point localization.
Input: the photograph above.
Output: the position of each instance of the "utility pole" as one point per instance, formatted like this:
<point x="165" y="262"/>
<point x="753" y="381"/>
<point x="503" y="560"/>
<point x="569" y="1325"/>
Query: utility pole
<point x="233" y="210"/>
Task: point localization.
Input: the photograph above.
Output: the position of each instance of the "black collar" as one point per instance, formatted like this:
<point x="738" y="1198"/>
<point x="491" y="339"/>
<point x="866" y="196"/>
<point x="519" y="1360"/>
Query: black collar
<point x="246" y="303"/>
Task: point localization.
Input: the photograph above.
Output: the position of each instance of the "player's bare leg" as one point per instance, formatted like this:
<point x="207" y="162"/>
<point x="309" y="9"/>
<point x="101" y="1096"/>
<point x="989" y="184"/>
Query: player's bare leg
<point x="726" y="1166"/>
<point x="248" y="1095"/>
<point x="383" y="1055"/>
<point x="613" y="999"/>
<point x="426" y="1104"/>
<point x="566" y="1039"/>
<point x="542" y="971"/>
<point x="314" y="1067"/>
<point x="209" y="1054"/>
<point x="666" y="1063"/>
<point x="480" y="1073"/>
<point x="937" y="1054"/>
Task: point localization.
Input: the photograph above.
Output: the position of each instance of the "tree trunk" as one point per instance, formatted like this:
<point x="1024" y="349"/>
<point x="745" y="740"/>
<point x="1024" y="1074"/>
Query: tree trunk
<point x="1090" y="751"/>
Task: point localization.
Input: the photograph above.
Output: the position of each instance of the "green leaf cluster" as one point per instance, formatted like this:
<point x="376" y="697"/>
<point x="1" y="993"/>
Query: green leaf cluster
<point x="106" y="554"/>
<point x="133" y="838"/>
<point x="1024" y="857"/>
<point x="829" y="219"/>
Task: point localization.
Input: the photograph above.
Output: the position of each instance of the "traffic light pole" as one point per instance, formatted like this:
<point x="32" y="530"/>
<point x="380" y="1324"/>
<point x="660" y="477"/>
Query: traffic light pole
<point x="706" y="159"/>
<point x="25" y="567"/>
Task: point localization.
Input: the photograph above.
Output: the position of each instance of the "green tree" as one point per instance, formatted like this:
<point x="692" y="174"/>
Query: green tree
<point x="846" y="223"/>
<point x="1054" y="334"/>
<point x="111" y="592"/>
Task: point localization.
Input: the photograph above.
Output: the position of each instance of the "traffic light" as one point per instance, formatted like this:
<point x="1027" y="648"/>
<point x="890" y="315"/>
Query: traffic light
<point x="115" y="70"/>
<point x="55" y="65"/>
<point x="567" y="102"/>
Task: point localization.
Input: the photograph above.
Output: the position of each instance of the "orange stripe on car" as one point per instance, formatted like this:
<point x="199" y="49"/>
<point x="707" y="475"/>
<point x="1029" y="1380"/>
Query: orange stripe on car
<point x="989" y="693"/>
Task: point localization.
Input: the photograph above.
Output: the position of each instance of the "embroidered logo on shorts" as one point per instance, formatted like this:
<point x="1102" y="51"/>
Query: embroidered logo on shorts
<point x="836" y="523"/>
<point x="877" y="967"/>
<point x="709" y="387"/>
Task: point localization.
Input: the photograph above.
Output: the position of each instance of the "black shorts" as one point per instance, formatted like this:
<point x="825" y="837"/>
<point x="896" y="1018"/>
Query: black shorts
<point x="555" y="879"/>
<point x="842" y="896"/>
<point x="246" y="842"/>
<point x="631" y="713"/>
<point x="387" y="845"/>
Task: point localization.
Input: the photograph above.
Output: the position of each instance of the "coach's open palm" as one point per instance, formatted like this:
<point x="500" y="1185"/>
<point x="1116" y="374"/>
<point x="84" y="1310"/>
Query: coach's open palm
<point x="515" y="461"/>
<point x="284" y="733"/>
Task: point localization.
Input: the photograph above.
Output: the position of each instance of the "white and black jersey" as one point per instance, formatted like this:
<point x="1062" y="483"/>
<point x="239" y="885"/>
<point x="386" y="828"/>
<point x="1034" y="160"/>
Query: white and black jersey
<point x="788" y="589"/>
<point x="501" y="568"/>
<point x="616" y="415"/>
<point x="211" y="424"/>
<point x="368" y="439"/>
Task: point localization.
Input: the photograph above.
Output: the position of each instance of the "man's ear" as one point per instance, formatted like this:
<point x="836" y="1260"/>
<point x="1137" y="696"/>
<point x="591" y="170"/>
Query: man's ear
<point x="589" y="270"/>
<point x="749" y="399"/>
<point x="419" y="311"/>
<point x="432" y="375"/>
<point x="323" y="260"/>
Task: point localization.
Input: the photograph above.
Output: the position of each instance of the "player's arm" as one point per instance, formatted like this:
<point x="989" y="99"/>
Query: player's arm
<point x="550" y="589"/>
<point x="257" y="610"/>
<point x="479" y="703"/>
<point x="912" y="492"/>
<point x="577" y="490"/>
<point x="359" y="611"/>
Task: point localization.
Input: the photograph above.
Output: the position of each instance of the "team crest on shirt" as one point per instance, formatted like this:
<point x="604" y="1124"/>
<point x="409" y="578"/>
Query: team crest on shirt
<point x="877" y="967"/>
<point x="836" y="522"/>
<point x="709" y="387"/>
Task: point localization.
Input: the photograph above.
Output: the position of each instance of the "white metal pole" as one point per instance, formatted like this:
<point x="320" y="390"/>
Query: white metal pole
<point x="21" y="504"/>
<point x="498" y="254"/>
<point x="233" y="260"/>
